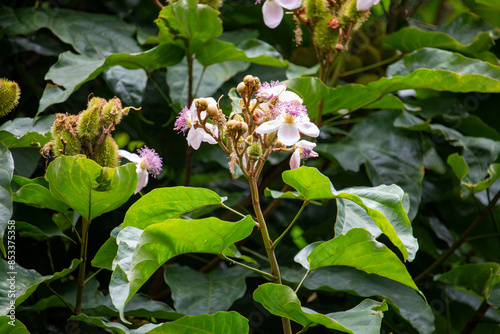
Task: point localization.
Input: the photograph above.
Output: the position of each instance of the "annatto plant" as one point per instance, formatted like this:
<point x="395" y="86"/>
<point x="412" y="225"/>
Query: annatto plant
<point x="389" y="103"/>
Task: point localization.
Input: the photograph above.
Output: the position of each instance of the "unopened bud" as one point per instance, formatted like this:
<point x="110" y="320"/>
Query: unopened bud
<point x="212" y="111"/>
<point x="257" y="83"/>
<point x="237" y="117"/>
<point x="247" y="79"/>
<point x="255" y="150"/>
<point x="258" y="116"/>
<point x="201" y="104"/>
<point x="243" y="128"/>
<point x="241" y="88"/>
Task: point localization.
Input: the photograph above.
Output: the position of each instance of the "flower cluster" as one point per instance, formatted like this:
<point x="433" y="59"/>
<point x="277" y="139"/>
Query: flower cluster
<point x="269" y="118"/>
<point x="148" y="162"/>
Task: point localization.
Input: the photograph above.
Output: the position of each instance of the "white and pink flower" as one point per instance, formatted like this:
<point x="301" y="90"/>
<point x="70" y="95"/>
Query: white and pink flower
<point x="188" y="121"/>
<point x="362" y="5"/>
<point x="148" y="162"/>
<point x="303" y="150"/>
<point x="272" y="10"/>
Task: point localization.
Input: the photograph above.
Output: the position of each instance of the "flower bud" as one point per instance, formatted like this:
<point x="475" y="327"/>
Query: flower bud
<point x="9" y="96"/>
<point x="255" y="150"/>
<point x="258" y="116"/>
<point x="201" y="103"/>
<point x="241" y="88"/>
<point x="108" y="154"/>
<point x="248" y="80"/>
<point x="87" y="126"/>
<point x="242" y="128"/>
<point x="212" y="111"/>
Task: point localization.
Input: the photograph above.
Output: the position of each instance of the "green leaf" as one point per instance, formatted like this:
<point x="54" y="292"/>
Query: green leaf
<point x="188" y="24"/>
<point x="284" y="195"/>
<point x="88" y="188"/>
<point x="467" y="34"/>
<point x="221" y="322"/>
<point x="461" y="170"/>
<point x="196" y="293"/>
<point x="358" y="249"/>
<point x="163" y="240"/>
<point x="39" y="196"/>
<point x="488" y="10"/>
<point x="112" y="326"/>
<point x="427" y="68"/>
<point x="390" y="155"/>
<point x="401" y="298"/>
<point x="128" y="84"/>
<point x="281" y="301"/>
<point x="251" y="50"/>
<point x="108" y="251"/>
<point x="26" y="282"/>
<point x="23" y="132"/>
<point x="383" y="205"/>
<point x="6" y="173"/>
<point x="12" y="326"/>
<point x="479" y="277"/>
<point x="164" y="203"/>
<point x="71" y="70"/>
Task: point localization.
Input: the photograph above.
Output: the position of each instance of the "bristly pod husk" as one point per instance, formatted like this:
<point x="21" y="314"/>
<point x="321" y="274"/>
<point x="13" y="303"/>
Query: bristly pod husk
<point x="9" y="96"/>
<point x="326" y="32"/>
<point x="315" y="9"/>
<point x="255" y="150"/>
<point x="108" y="153"/>
<point x="216" y="4"/>
<point x="87" y="126"/>
<point x="112" y="111"/>
<point x="65" y="143"/>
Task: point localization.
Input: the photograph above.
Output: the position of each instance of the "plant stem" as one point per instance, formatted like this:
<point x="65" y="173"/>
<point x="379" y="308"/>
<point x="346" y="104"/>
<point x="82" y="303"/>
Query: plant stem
<point x="302" y="281"/>
<point x="68" y="305"/>
<point x="81" y="273"/>
<point x="461" y="239"/>
<point x="232" y="210"/>
<point x="306" y="202"/>
<point x="476" y="318"/>
<point x="275" y="271"/>
<point x="254" y="253"/>
<point x="189" y="149"/>
<point x="268" y="275"/>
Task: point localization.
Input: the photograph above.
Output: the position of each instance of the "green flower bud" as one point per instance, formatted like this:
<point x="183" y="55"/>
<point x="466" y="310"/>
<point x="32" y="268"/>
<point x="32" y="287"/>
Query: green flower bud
<point x="255" y="150"/>
<point x="324" y="34"/>
<point x="87" y="126"/>
<point x="237" y="117"/>
<point x="108" y="154"/>
<point x="315" y="9"/>
<point x="66" y="143"/>
<point x="212" y="111"/>
<point x="201" y="103"/>
<point x="9" y="96"/>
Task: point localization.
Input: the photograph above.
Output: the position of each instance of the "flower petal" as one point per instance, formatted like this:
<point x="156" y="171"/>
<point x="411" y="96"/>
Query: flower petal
<point x="290" y="96"/>
<point x="129" y="156"/>
<point x="209" y="139"/>
<point x="194" y="138"/>
<point x="289" y="4"/>
<point x="268" y="127"/>
<point x="306" y="144"/>
<point x="309" y="129"/>
<point x="365" y="4"/>
<point x="295" y="159"/>
<point x="288" y="134"/>
<point x="211" y="101"/>
<point x="272" y="13"/>
<point x="142" y="179"/>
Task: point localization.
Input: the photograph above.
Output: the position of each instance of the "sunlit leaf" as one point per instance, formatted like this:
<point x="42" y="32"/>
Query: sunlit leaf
<point x="12" y="326"/>
<point x="115" y="327"/>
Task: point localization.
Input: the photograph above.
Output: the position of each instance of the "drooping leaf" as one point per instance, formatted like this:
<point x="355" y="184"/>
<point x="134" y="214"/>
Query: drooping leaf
<point x="390" y="155"/>
<point x="189" y="25"/>
<point x="12" y="326"/>
<point x="115" y="327"/>
<point x="21" y="132"/>
<point x="486" y="9"/>
<point x="88" y="188"/>
<point x="482" y="278"/>
<point x="221" y="322"/>
<point x="164" y="203"/>
<point x="281" y="301"/>
<point x="72" y="70"/>
<point x="33" y="193"/>
<point x="461" y="170"/>
<point x="358" y="249"/>
<point x="162" y="241"/>
<point x="26" y="282"/>
<point x="383" y="204"/>
<point x="467" y="34"/>
<point x="6" y="173"/>
<point x="196" y="293"/>
<point x="251" y="50"/>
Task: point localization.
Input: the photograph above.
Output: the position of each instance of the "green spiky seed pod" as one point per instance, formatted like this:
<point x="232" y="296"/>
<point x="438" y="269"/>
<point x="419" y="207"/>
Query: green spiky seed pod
<point x="108" y="154"/>
<point x="215" y="4"/>
<point x="315" y="9"/>
<point x="96" y="102"/>
<point x="66" y="143"/>
<point x="87" y="126"/>
<point x="112" y="111"/>
<point x="324" y="35"/>
<point x="9" y="96"/>
<point x="255" y="150"/>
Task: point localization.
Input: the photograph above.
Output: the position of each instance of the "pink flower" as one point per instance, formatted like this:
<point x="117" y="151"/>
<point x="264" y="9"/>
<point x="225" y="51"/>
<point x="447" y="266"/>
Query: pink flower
<point x="303" y="150"/>
<point x="188" y="121"/>
<point x="276" y="90"/>
<point x="291" y="120"/>
<point x="365" y="4"/>
<point x="148" y="162"/>
<point x="272" y="10"/>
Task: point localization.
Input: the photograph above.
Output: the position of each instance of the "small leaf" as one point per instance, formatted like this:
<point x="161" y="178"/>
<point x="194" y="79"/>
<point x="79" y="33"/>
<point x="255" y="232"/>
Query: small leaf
<point x="37" y="195"/>
<point x="196" y="293"/>
<point x="75" y="181"/>
<point x="281" y="301"/>
<point x="6" y="174"/>
<point x="358" y="249"/>
<point x="115" y="327"/>
<point x="221" y="322"/>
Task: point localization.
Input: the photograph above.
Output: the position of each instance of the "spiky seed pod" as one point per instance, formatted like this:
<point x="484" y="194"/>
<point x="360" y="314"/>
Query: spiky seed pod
<point x="324" y="34"/>
<point x="255" y="150"/>
<point x="87" y="126"/>
<point x="112" y="110"/>
<point x="9" y="96"/>
<point x="215" y="4"/>
<point x="315" y="9"/>
<point x="96" y="102"/>
<point x="66" y="143"/>
<point x="108" y="154"/>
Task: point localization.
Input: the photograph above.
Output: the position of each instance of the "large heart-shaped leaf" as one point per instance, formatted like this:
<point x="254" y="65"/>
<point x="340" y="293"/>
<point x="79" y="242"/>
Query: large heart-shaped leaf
<point x="383" y="204"/>
<point x="6" y="173"/>
<point x="196" y="293"/>
<point x="24" y="132"/>
<point x="280" y="300"/>
<point x="162" y="241"/>
<point x="358" y="249"/>
<point x="221" y="322"/>
<point x="88" y="188"/>
<point x="188" y="24"/>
